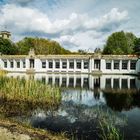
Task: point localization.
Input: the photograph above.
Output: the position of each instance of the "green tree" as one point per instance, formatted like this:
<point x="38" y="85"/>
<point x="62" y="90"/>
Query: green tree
<point x="7" y="47"/>
<point x="137" y="46"/>
<point x="41" y="46"/>
<point x="119" y="43"/>
<point x="130" y="41"/>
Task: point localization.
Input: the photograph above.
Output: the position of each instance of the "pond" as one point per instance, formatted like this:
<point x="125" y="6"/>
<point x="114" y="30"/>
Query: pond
<point x="84" y="99"/>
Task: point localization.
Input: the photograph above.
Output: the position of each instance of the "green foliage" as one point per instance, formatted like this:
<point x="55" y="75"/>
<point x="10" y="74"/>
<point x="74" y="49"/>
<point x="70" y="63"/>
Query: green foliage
<point x="137" y="46"/>
<point x="7" y="47"/>
<point x="120" y="43"/>
<point x="80" y="51"/>
<point x="41" y="46"/>
<point x="130" y="41"/>
<point x="28" y="90"/>
<point x="107" y="123"/>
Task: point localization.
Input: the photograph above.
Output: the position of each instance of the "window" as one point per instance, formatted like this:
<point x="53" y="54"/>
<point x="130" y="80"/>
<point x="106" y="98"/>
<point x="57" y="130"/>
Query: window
<point x="96" y="64"/>
<point x="57" y="80"/>
<point x="132" y="83"/>
<point x="57" y="65"/>
<point x="124" y="84"/>
<point x="108" y="65"/>
<point x="11" y="64"/>
<point x="64" y="65"/>
<point x="133" y="64"/>
<point x="85" y="83"/>
<point x="18" y="64"/>
<point x="78" y="65"/>
<point x="116" y="83"/>
<point x="71" y="82"/>
<point x="86" y="64"/>
<point x="50" y="80"/>
<point x="108" y="83"/>
<point x="116" y="64"/>
<point x="78" y="82"/>
<point x="124" y="64"/>
<point x="5" y="64"/>
<point x="71" y="64"/>
<point x="50" y="64"/>
<point x="64" y="82"/>
<point x="24" y="64"/>
<point x="43" y="64"/>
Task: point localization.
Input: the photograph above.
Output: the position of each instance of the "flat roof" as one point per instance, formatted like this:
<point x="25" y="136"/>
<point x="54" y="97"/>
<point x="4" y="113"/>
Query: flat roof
<point x="95" y="56"/>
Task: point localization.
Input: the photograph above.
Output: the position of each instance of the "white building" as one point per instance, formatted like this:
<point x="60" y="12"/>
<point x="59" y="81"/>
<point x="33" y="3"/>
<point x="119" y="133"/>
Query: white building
<point x="93" y="64"/>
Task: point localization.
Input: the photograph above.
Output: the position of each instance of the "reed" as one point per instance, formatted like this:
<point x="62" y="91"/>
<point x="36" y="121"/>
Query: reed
<point x="28" y="91"/>
<point x="2" y="72"/>
<point x="108" y="130"/>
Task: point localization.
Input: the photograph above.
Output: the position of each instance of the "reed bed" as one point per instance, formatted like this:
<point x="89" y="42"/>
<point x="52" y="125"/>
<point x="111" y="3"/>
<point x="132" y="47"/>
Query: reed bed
<point x="3" y="72"/>
<point x="108" y="127"/>
<point x="28" y="91"/>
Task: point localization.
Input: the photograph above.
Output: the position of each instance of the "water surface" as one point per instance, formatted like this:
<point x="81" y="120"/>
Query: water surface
<point x="84" y="98"/>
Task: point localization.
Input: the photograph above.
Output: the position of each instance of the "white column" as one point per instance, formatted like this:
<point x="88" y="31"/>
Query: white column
<point x="53" y="65"/>
<point x="82" y="65"/>
<point x="112" y="65"/>
<point x="120" y="65"/>
<point x="82" y="80"/>
<point x="47" y="66"/>
<point x="120" y="83"/>
<point x="74" y="65"/>
<point x="8" y="64"/>
<point x="27" y="63"/>
<point x="67" y="69"/>
<point x="60" y="61"/>
<point x="128" y="65"/>
<point x="91" y="64"/>
<point x="60" y="80"/>
<point x="90" y="78"/>
<point x="53" y="80"/>
<point x="67" y="81"/>
<point x="128" y="81"/>
<point x="112" y="82"/>
<point x="74" y="85"/>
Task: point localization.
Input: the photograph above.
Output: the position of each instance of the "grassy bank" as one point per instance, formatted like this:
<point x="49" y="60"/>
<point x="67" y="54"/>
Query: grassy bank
<point x="14" y="129"/>
<point x="28" y="91"/>
<point x="20" y="97"/>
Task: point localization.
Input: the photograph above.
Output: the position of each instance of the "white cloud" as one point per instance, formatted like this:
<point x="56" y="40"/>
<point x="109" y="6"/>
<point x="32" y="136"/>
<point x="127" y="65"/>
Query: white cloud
<point x="79" y="30"/>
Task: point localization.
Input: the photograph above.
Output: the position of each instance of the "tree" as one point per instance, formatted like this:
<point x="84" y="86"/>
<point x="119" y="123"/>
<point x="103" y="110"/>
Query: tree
<point x="120" y="43"/>
<point x="137" y="46"/>
<point x="130" y="41"/>
<point x="80" y="51"/>
<point x="7" y="47"/>
<point x="41" y="46"/>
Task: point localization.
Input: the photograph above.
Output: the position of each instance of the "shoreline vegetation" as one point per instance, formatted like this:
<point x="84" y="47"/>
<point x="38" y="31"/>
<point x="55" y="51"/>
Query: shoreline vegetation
<point x="20" y="97"/>
<point x="28" y="91"/>
<point x="10" y="129"/>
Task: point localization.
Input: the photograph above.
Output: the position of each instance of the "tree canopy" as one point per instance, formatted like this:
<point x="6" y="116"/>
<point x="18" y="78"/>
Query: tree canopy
<point x="7" y="47"/>
<point x="137" y="46"/>
<point x="120" y="43"/>
<point x="41" y="46"/>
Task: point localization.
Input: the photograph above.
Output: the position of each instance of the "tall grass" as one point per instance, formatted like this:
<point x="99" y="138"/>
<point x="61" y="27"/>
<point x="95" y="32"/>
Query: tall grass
<point x="2" y="72"/>
<point x="28" y="90"/>
<point x="107" y="126"/>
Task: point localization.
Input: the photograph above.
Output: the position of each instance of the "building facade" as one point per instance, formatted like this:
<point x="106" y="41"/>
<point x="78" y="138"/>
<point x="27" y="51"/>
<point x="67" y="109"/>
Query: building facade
<point x="94" y="64"/>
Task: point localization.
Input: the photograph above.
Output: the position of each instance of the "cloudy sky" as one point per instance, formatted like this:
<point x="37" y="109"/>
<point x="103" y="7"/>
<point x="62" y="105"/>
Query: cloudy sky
<point x="75" y="24"/>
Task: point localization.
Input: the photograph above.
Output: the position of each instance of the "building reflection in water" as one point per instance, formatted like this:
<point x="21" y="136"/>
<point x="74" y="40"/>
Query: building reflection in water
<point x="91" y="90"/>
<point x="85" y="81"/>
<point x="83" y="95"/>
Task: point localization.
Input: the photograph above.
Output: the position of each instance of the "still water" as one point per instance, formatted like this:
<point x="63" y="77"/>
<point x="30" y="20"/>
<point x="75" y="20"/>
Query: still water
<point x="84" y="97"/>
